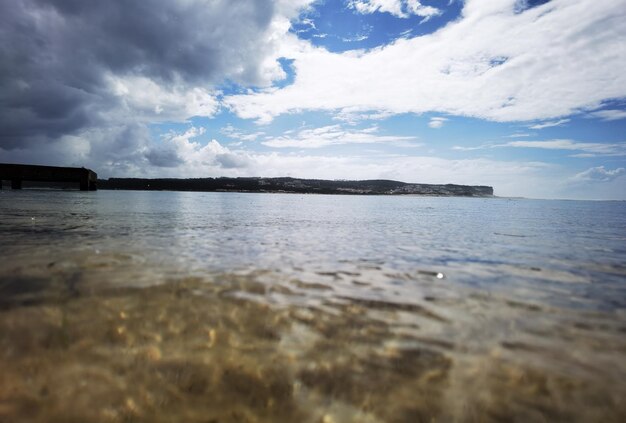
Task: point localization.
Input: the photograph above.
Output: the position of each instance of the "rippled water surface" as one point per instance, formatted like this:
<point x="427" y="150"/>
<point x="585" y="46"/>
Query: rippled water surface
<point x="225" y="307"/>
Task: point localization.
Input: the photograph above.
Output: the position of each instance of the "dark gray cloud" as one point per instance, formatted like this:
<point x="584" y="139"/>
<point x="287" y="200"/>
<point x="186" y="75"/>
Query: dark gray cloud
<point x="164" y="158"/>
<point x="231" y="161"/>
<point x="57" y="56"/>
<point x="123" y="144"/>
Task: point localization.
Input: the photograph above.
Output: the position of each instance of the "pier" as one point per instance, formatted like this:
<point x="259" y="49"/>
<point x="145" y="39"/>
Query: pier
<point x="17" y="173"/>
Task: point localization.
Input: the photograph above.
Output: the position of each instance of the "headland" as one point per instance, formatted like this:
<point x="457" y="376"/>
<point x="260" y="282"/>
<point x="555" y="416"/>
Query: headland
<point x="296" y="185"/>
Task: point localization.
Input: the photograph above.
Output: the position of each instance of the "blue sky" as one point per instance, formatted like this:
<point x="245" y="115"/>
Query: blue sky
<point x="526" y="96"/>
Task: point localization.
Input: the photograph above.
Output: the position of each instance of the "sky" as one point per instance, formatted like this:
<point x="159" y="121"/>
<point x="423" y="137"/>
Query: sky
<point x="527" y="96"/>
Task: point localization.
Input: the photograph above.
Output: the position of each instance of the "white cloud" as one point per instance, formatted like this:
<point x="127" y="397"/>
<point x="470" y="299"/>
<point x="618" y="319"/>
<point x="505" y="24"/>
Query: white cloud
<point x="142" y="99"/>
<point x="589" y="149"/>
<point x="335" y="135"/>
<point x="595" y="149"/>
<point x="196" y="158"/>
<point x="436" y="122"/>
<point x="397" y="8"/>
<point x="231" y="132"/>
<point x="492" y="63"/>
<point x="519" y="135"/>
<point x="461" y="148"/>
<point x="549" y="124"/>
<point x="355" y="39"/>
<point x="598" y="174"/>
<point x="609" y="115"/>
<point x="308" y="22"/>
<point x="354" y="117"/>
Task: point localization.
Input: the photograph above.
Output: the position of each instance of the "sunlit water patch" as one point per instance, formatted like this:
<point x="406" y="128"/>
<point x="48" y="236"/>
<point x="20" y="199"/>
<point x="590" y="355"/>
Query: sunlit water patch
<point x="120" y="306"/>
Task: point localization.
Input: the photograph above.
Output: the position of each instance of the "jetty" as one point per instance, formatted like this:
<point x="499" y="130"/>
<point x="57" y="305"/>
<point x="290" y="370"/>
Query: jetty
<point x="17" y="173"/>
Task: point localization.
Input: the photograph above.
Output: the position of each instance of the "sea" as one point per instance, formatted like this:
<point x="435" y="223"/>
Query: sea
<point x="133" y="306"/>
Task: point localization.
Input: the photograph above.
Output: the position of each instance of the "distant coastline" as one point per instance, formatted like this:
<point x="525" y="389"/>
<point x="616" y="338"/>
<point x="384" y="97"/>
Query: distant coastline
<point x="296" y="185"/>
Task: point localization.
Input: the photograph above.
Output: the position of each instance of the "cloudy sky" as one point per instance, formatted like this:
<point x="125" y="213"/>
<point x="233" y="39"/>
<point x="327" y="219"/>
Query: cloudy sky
<point x="528" y="96"/>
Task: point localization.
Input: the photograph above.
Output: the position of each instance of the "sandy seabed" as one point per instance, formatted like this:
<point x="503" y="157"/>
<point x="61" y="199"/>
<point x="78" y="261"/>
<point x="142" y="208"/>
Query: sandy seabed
<point x="261" y="347"/>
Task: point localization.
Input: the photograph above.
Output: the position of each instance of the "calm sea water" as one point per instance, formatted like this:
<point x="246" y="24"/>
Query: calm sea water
<point x="220" y="307"/>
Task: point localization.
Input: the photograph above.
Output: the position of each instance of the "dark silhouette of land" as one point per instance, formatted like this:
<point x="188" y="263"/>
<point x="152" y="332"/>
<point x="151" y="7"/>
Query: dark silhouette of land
<point x="295" y="185"/>
<point x="18" y="173"/>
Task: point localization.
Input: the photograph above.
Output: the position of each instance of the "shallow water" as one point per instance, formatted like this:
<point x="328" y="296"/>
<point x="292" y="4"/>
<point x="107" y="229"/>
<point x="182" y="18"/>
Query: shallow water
<point x="225" y="307"/>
